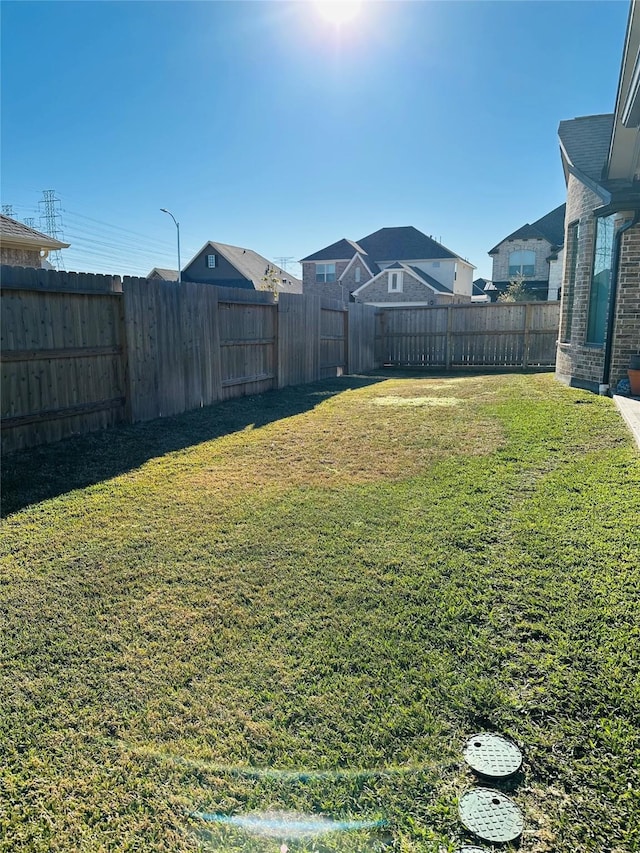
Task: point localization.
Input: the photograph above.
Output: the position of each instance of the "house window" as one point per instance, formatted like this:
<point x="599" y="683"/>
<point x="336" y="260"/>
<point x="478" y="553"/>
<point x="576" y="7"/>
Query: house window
<point x="573" y="234"/>
<point x="435" y="263"/>
<point x="395" y="282"/>
<point x="211" y="262"/>
<point x="325" y="272"/>
<point x="357" y="276"/>
<point x="522" y="263"/>
<point x="600" y="281"/>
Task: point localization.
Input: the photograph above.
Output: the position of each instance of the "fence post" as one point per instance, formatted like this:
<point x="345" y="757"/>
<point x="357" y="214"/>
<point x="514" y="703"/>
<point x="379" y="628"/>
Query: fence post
<point x="528" y="310"/>
<point x="447" y="343"/>
<point x="345" y="332"/>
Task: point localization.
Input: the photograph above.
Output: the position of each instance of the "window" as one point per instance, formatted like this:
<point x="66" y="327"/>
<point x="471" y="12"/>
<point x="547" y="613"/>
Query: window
<point x="211" y="262"/>
<point x="573" y="234"/>
<point x="522" y="263"/>
<point x="357" y="276"/>
<point x="435" y="263"/>
<point x="600" y="281"/>
<point x="325" y="272"/>
<point x="395" y="282"/>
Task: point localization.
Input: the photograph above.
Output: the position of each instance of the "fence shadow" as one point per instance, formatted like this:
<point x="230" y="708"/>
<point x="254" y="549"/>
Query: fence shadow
<point x="39" y="473"/>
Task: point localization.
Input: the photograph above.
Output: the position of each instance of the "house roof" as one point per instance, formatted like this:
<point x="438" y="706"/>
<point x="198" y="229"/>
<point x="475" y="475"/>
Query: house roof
<point x="549" y="227"/>
<point x="428" y="279"/>
<point x="254" y="266"/>
<point x="585" y="142"/>
<point x="404" y="243"/>
<point x="164" y="274"/>
<point x="480" y="285"/>
<point x="342" y="250"/>
<point x="18" y="234"/>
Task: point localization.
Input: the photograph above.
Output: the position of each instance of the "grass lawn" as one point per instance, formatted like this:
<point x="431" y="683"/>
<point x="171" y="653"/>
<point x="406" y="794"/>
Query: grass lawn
<point x="307" y="601"/>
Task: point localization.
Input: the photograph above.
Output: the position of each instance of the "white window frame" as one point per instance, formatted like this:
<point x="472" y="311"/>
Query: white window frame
<point x="325" y="270"/>
<point x="390" y="277"/>
<point x="212" y="262"/>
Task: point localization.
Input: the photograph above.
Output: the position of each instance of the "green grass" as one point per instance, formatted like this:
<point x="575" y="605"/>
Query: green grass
<point x="307" y="601"/>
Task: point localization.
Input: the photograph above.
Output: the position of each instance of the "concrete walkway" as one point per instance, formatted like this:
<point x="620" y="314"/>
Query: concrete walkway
<point x="630" y="410"/>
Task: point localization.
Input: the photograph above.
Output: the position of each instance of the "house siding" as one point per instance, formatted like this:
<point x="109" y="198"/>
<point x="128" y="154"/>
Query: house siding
<point x="412" y="291"/>
<point x="349" y="280"/>
<point x="224" y="273"/>
<point x="16" y="257"/>
<point x="577" y="362"/>
<point x="555" y="276"/>
<point x="309" y="282"/>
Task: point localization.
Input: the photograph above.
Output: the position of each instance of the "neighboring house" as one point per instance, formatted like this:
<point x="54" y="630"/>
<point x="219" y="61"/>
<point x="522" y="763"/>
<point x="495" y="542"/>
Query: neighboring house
<point x="392" y="266"/>
<point x="233" y="266"/>
<point x="21" y="246"/>
<point x="600" y="310"/>
<point x="160" y="274"/>
<point x="534" y="252"/>
<point x="482" y="288"/>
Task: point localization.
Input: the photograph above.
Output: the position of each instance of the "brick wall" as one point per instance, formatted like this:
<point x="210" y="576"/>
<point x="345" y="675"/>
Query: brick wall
<point x="412" y="291"/>
<point x="309" y="272"/>
<point x="20" y="257"/>
<point x="349" y="280"/>
<point x="578" y="362"/>
<point x="626" y="340"/>
<point x="542" y="248"/>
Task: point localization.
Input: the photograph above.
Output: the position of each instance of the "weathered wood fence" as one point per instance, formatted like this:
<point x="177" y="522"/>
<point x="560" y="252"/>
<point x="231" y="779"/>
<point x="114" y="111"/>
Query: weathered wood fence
<point x="82" y="352"/>
<point x="498" y="335"/>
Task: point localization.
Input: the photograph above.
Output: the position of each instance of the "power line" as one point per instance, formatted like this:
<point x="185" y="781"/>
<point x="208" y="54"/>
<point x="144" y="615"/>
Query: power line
<point x="51" y="221"/>
<point x="284" y="260"/>
<point x="7" y="210"/>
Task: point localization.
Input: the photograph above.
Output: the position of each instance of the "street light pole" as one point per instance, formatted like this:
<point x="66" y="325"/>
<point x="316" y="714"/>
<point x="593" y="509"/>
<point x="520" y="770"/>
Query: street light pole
<point x="177" y="224"/>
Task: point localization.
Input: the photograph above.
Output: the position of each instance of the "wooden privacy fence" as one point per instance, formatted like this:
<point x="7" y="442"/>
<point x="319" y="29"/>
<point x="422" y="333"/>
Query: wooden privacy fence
<point x="82" y="352"/>
<point x="501" y="335"/>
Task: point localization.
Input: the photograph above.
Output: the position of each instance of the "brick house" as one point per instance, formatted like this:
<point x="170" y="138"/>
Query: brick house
<point x="392" y="266"/>
<point x="533" y="251"/>
<point x="600" y="310"/>
<point x="21" y="246"/>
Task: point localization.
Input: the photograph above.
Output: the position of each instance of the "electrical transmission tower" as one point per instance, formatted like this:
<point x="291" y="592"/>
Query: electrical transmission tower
<point x="7" y="210"/>
<point x="29" y="222"/>
<point x="51" y="223"/>
<point x="283" y="261"/>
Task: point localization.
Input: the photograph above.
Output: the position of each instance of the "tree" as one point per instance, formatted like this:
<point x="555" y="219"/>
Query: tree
<point x="516" y="292"/>
<point x="271" y="280"/>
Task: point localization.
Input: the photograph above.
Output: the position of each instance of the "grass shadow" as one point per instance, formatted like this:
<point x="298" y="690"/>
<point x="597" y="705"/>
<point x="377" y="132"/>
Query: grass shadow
<point x="39" y="473"/>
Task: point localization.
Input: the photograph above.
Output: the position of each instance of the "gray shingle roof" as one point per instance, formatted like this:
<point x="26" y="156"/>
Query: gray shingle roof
<point x="254" y="266"/>
<point x="549" y="227"/>
<point x="403" y="244"/>
<point x="343" y="250"/>
<point x="585" y="141"/>
<point x="164" y="274"/>
<point x="17" y="232"/>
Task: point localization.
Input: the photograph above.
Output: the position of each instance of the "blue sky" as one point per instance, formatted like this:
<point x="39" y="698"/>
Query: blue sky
<point x="262" y="124"/>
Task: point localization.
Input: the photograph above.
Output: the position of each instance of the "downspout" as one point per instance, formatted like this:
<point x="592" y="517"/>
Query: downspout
<point x="608" y="348"/>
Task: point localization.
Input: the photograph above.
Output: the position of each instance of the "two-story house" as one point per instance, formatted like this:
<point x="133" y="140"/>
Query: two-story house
<point x="600" y="310"/>
<point x="232" y="266"/>
<point x="22" y="246"/>
<point x="533" y="252"/>
<point x="392" y="266"/>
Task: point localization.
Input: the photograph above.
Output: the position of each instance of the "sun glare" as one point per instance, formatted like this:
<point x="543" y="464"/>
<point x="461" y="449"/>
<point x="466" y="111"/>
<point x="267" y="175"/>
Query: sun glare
<point x="338" y="12"/>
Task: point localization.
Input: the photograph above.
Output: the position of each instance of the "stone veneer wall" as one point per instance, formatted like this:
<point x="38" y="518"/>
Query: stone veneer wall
<point x="542" y="248"/>
<point x="579" y="363"/>
<point x="16" y="257"/>
<point x="349" y="280"/>
<point x="412" y="291"/>
<point x="309" y="272"/>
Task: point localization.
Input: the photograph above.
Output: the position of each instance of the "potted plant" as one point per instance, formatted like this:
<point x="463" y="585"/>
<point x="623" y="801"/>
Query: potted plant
<point x="634" y="375"/>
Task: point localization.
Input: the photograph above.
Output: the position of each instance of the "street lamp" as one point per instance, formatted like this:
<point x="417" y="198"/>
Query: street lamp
<point x="164" y="210"/>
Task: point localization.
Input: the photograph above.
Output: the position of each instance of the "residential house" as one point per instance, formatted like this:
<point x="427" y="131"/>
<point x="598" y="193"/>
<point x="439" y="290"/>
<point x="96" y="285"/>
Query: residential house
<point x="21" y="246"/>
<point x="482" y="288"/>
<point x="600" y="310"/>
<point x="234" y="266"/>
<point x="161" y="274"/>
<point x="533" y="251"/>
<point x="392" y="266"/>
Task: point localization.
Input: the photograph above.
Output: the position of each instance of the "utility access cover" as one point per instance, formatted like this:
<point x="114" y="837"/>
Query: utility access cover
<point x="490" y="815"/>
<point x="492" y="755"/>
<point x="470" y="848"/>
